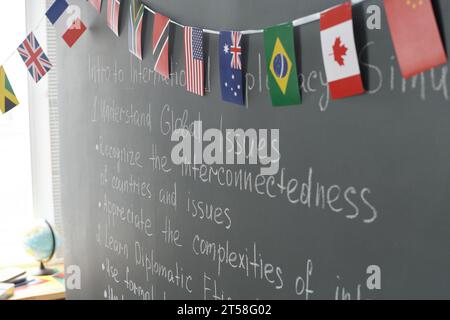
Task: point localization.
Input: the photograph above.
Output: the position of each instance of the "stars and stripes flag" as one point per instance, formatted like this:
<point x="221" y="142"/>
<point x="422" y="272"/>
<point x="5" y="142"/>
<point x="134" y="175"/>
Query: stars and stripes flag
<point x="193" y="51"/>
<point x="161" y="44"/>
<point x="112" y="14"/>
<point x="34" y="57"/>
<point x="135" y="28"/>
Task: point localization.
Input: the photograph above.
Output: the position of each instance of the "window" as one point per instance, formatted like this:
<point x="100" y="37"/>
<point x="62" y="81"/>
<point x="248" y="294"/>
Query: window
<point x="15" y="163"/>
<point x="29" y="162"/>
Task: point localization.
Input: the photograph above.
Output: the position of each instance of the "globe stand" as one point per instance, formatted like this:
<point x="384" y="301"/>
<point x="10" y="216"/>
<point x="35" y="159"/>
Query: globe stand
<point x="43" y="270"/>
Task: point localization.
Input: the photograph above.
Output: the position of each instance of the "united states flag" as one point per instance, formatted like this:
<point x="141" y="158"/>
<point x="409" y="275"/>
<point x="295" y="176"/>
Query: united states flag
<point x="193" y="50"/>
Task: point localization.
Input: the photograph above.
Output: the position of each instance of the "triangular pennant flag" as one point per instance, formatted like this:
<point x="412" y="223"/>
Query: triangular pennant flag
<point x="230" y="57"/>
<point x="34" y="57"/>
<point x="97" y="4"/>
<point x="281" y="65"/>
<point x="415" y="34"/>
<point x="8" y="99"/>
<point x="161" y="44"/>
<point x="193" y="52"/>
<point x="339" y="52"/>
<point x="135" y="28"/>
<point x="112" y="15"/>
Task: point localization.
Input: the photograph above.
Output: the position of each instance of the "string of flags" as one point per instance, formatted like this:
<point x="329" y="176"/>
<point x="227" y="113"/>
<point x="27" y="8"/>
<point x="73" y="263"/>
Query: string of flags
<point x="406" y="19"/>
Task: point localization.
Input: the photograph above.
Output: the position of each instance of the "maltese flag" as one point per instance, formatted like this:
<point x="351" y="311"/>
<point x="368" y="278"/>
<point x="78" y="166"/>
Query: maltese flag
<point x="339" y="52"/>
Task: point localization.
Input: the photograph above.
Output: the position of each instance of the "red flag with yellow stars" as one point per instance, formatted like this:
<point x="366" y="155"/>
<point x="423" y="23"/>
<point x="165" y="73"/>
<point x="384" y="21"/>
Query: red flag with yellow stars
<point x="415" y="35"/>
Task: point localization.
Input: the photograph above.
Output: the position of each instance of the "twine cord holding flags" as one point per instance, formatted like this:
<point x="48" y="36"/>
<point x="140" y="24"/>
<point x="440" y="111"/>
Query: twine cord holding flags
<point x="401" y="37"/>
<point x="297" y="22"/>
<point x="37" y="26"/>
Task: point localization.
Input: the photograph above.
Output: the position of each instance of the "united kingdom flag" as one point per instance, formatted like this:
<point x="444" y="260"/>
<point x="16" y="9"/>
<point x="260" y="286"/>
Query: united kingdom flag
<point x="236" y="50"/>
<point x="34" y="57"/>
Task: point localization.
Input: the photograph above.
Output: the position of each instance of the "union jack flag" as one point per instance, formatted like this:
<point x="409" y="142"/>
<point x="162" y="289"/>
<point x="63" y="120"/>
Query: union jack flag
<point x="236" y="50"/>
<point x="34" y="57"/>
<point x="113" y="15"/>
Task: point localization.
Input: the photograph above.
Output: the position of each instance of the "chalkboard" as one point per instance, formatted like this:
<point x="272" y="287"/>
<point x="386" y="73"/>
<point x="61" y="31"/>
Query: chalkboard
<point x="359" y="208"/>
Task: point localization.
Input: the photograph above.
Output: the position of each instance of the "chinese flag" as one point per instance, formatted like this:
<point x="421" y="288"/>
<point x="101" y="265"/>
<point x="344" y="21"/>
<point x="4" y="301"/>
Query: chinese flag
<point x="415" y="35"/>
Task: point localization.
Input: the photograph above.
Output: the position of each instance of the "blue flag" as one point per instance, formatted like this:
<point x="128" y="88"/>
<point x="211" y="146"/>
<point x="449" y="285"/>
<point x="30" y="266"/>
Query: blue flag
<point x="230" y="52"/>
<point x="56" y="10"/>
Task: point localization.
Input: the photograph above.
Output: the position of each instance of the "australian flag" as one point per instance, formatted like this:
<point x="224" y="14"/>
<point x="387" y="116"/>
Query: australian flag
<point x="231" y="79"/>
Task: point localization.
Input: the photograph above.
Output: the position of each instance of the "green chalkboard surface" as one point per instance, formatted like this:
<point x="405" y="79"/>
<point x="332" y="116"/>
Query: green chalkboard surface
<point x="358" y="209"/>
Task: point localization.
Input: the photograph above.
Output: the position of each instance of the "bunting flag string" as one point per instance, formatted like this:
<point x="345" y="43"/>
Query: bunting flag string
<point x="296" y="23"/>
<point x="405" y="18"/>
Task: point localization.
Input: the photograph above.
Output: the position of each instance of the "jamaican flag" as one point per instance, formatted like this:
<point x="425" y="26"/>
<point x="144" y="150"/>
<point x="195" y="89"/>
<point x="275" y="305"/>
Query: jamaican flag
<point x="8" y="99"/>
<point x="281" y="65"/>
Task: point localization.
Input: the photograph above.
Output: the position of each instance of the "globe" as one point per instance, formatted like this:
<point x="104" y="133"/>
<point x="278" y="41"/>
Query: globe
<point x="40" y="242"/>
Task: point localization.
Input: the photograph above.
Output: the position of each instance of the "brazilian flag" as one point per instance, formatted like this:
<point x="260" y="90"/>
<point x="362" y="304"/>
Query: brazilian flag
<point x="281" y="65"/>
<point x="8" y="99"/>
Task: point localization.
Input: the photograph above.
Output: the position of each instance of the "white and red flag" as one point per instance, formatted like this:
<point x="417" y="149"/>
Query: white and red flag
<point x="339" y="52"/>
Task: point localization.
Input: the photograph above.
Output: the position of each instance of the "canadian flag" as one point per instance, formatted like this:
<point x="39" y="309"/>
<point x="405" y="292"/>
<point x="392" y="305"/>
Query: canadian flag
<point x="339" y="52"/>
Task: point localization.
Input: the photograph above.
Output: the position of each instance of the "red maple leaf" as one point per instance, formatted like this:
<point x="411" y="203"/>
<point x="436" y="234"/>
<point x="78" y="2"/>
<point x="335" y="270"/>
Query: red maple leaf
<point x="339" y="51"/>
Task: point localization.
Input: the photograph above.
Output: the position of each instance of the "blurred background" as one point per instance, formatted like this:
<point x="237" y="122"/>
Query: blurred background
<point x="29" y="162"/>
